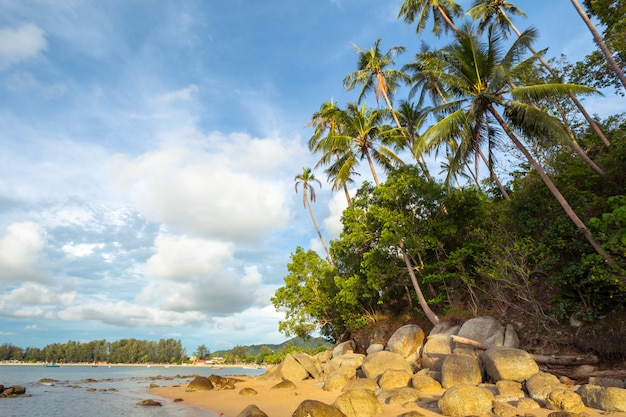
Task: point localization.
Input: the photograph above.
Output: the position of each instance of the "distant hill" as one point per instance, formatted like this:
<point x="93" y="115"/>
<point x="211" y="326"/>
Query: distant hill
<point x="254" y="350"/>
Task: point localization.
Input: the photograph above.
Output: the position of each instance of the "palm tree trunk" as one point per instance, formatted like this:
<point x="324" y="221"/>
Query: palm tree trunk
<point x="494" y="176"/>
<point x="581" y="108"/>
<point x="430" y="314"/>
<point x="371" y="163"/>
<point x="600" y="42"/>
<point x="447" y="19"/>
<point x="554" y="190"/>
<point x="330" y="258"/>
<point x="347" y="193"/>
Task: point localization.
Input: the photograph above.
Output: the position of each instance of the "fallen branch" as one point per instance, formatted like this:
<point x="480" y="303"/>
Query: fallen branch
<point x="548" y="360"/>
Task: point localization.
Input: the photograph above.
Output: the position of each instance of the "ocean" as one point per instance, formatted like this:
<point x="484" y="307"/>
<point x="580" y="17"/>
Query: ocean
<point x="117" y="390"/>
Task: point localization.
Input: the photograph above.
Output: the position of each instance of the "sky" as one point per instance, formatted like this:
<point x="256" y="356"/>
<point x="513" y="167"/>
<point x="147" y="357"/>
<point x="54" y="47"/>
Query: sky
<point x="148" y="153"/>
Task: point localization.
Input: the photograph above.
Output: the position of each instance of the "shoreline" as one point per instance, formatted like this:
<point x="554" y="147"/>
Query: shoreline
<point x="283" y="403"/>
<point x="138" y="365"/>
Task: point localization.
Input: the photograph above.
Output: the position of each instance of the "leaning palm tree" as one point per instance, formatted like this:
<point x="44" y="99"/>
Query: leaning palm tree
<point x="443" y="12"/>
<point x="481" y="75"/>
<point x="600" y="42"/>
<point x="488" y="12"/>
<point x="307" y="179"/>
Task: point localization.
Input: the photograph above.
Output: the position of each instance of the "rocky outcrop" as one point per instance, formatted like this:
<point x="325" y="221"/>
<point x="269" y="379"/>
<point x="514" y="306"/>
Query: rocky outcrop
<point x="12" y="391"/>
<point x="460" y="370"/>
<point x="376" y="364"/>
<point x="406" y="341"/>
<point x="149" y="403"/>
<point x="358" y="403"/>
<point x="466" y="400"/>
<point x="292" y="370"/>
<point x="504" y="363"/>
<point x="609" y="399"/>
<point x="199" y="383"/>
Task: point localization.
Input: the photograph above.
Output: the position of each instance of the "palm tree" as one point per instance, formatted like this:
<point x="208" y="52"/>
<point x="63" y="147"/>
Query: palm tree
<point x="326" y="125"/>
<point x="443" y="12"/>
<point x="489" y="11"/>
<point x="307" y="179"/>
<point x="600" y="42"/>
<point x="363" y="135"/>
<point x="480" y="76"/>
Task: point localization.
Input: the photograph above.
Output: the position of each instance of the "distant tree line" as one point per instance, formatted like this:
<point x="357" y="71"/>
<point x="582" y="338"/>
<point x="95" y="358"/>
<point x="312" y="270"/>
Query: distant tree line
<point x="121" y="351"/>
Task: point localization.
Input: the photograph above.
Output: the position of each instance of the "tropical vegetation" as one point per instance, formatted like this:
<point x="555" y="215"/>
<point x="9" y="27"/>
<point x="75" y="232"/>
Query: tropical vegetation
<point x="528" y="215"/>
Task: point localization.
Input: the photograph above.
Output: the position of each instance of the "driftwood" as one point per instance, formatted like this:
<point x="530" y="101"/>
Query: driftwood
<point x="548" y="360"/>
<point x="583" y="378"/>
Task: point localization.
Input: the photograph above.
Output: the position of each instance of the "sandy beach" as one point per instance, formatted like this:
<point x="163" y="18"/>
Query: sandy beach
<point x="275" y="403"/>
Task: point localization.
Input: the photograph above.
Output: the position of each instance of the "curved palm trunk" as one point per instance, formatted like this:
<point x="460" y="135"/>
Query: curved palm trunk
<point x="447" y="18"/>
<point x="330" y="258"/>
<point x="420" y="295"/>
<point x="553" y="189"/>
<point x="494" y="176"/>
<point x="581" y="108"/>
<point x="600" y="42"/>
<point x="371" y="163"/>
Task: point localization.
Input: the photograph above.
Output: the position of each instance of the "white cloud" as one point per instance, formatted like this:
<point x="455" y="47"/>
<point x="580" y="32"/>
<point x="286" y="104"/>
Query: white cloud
<point x="221" y="187"/>
<point x="21" y="252"/>
<point x="336" y="206"/>
<point x="184" y="94"/>
<point x="20" y="44"/>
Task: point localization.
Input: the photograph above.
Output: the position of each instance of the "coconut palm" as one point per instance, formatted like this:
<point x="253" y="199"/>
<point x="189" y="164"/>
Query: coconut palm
<point x="600" y="42"/>
<point x="307" y="179"/>
<point x="363" y="135"/>
<point x="326" y="125"/>
<point x="443" y="12"/>
<point x="481" y="75"/>
<point x="496" y="11"/>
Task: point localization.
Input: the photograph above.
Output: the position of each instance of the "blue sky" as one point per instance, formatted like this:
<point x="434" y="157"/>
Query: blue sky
<point x="148" y="150"/>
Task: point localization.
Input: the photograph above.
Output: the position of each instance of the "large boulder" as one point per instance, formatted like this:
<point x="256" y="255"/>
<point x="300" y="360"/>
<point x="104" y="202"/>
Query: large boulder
<point x="435" y="350"/>
<point x="336" y="382"/>
<point x="350" y="360"/>
<point x="220" y="382"/>
<point x="609" y="399"/>
<point x="509" y="364"/>
<point x="199" y="383"/>
<point x="426" y="384"/>
<point x="540" y="385"/>
<point x="307" y="363"/>
<point x="313" y="408"/>
<point x="345" y="347"/>
<point x="361" y="383"/>
<point x="406" y="341"/>
<point x="358" y="403"/>
<point x="291" y="369"/>
<point x="404" y="396"/>
<point x="466" y="400"/>
<point x="460" y="370"/>
<point x="565" y="400"/>
<point x="376" y="364"/>
<point x="485" y="330"/>
<point x="394" y="378"/>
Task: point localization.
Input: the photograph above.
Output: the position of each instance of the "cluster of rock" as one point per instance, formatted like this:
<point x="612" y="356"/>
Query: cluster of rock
<point x="460" y="380"/>
<point x="12" y="391"/>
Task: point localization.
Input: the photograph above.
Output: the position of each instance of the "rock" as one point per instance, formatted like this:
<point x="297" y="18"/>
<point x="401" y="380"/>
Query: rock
<point x="284" y="385"/>
<point x="361" y="383"/>
<point x="609" y="399"/>
<point x="485" y="330"/>
<point x="342" y="348"/>
<point x="435" y="350"/>
<point x="539" y="386"/>
<point x="565" y="400"/>
<point x="406" y="341"/>
<point x="149" y="403"/>
<point x="220" y="382"/>
<point x="18" y="390"/>
<point x="412" y="413"/>
<point x="313" y="408"/>
<point x="199" y="383"/>
<point x="527" y="404"/>
<point x="509" y="364"/>
<point x="502" y="409"/>
<point x="375" y="347"/>
<point x="350" y="360"/>
<point x="425" y="383"/>
<point x="291" y="369"/>
<point x="178" y="400"/>
<point x="466" y="400"/>
<point x="347" y="371"/>
<point x="402" y="396"/>
<point x="247" y="391"/>
<point x="307" y="363"/>
<point x="460" y="370"/>
<point x="358" y="403"/>
<point x="510" y="389"/>
<point x="336" y="382"/>
<point x="511" y="339"/>
<point x="374" y="365"/>
<point x="153" y="385"/>
<point x="252" y="411"/>
<point x="394" y="378"/>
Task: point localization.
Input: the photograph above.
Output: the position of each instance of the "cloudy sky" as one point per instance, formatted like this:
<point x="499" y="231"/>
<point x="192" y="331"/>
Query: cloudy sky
<point x="148" y="150"/>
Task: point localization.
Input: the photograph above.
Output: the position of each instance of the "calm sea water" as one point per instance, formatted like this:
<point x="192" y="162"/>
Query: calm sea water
<point x="69" y="397"/>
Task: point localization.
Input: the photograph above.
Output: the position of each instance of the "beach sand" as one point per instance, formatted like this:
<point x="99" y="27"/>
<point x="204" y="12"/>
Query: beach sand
<point x="277" y="403"/>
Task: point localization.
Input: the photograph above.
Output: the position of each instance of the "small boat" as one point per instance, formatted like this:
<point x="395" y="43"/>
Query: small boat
<point x="51" y="365"/>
